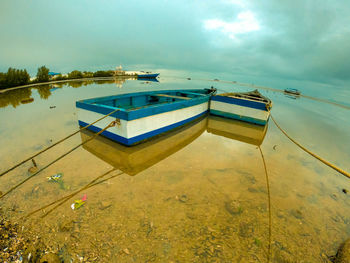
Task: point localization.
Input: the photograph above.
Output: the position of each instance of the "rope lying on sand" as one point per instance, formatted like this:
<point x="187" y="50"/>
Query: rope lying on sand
<point x="65" y="138"/>
<point x="311" y="153"/>
<point x="269" y="205"/>
<point x="58" y="158"/>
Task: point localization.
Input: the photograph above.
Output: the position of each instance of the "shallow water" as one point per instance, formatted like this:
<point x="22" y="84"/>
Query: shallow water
<point x="194" y="195"/>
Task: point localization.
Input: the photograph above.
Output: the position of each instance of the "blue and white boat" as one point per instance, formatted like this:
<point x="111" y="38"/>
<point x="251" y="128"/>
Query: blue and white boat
<point x="245" y="106"/>
<point x="147" y="75"/>
<point x="143" y="115"/>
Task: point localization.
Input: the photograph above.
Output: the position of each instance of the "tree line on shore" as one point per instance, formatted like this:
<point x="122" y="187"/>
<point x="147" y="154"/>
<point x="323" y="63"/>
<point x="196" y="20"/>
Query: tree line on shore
<point x="18" y="77"/>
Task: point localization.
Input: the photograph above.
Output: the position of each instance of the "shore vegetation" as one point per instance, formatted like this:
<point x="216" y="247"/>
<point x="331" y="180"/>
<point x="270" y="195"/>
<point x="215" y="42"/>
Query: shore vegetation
<point x="18" y="77"/>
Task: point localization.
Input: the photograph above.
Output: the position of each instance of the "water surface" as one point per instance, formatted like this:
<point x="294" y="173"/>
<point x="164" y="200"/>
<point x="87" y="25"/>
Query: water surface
<point x="198" y="194"/>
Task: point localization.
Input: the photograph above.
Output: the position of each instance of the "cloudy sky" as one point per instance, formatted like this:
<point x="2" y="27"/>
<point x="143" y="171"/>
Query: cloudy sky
<point x="304" y="40"/>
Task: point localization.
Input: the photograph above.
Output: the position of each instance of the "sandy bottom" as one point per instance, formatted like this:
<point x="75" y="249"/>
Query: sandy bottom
<point x="199" y="197"/>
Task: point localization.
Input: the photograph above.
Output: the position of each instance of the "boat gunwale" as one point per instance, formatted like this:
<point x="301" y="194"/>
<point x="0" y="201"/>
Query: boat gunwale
<point x="141" y="112"/>
<point x="139" y="94"/>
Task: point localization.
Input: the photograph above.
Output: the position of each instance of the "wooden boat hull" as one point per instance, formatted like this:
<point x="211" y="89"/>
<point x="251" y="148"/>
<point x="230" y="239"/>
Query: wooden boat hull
<point x="240" y="109"/>
<point x="133" y="160"/>
<point x="135" y="126"/>
<point x="237" y="130"/>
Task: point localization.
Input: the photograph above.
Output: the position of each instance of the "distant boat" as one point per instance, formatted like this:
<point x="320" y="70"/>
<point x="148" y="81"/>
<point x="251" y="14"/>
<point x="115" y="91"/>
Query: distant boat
<point x="292" y="91"/>
<point x="133" y="160"/>
<point x="244" y="106"/>
<point x="147" y="75"/>
<point x="143" y="115"/>
<point x="237" y="130"/>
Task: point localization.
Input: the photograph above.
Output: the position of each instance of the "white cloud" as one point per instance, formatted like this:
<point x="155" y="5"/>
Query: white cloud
<point x="245" y="22"/>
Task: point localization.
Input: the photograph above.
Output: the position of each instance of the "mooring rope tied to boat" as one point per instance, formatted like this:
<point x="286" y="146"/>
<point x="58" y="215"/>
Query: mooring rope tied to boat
<point x="269" y="205"/>
<point x="63" y="139"/>
<point x="113" y="123"/>
<point x="310" y="152"/>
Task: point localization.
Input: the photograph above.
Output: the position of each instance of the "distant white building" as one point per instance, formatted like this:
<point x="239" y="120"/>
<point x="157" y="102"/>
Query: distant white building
<point x="119" y="71"/>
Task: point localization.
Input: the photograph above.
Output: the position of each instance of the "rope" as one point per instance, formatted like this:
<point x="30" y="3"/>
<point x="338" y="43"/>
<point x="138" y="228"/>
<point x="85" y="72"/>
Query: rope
<point x="67" y="197"/>
<point x="311" y="153"/>
<point x="65" y="138"/>
<point x="269" y="205"/>
<point x="80" y="190"/>
<point x="57" y="159"/>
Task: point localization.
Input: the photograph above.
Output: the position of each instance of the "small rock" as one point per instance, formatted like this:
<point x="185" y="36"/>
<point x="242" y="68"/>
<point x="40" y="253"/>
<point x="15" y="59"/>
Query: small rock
<point x="66" y="226"/>
<point x="191" y="215"/>
<point x="183" y="198"/>
<point x="252" y="190"/>
<point x="343" y="254"/>
<point x="297" y="213"/>
<point x="38" y="147"/>
<point x="50" y="258"/>
<point x="280" y="214"/>
<point x="334" y="196"/>
<point x="105" y="204"/>
<point x="76" y="229"/>
<point x="233" y="207"/>
<point x="246" y="229"/>
<point x="33" y="169"/>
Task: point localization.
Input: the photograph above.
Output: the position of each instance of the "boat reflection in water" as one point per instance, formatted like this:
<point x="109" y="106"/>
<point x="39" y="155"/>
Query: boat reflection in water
<point x="135" y="159"/>
<point x="237" y="130"/>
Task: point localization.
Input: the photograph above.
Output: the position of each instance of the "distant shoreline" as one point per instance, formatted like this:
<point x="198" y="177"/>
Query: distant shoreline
<point x="65" y="80"/>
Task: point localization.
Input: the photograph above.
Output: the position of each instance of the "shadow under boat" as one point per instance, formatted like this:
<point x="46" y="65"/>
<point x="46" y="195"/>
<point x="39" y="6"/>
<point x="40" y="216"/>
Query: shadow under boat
<point x="237" y="130"/>
<point x="133" y="160"/>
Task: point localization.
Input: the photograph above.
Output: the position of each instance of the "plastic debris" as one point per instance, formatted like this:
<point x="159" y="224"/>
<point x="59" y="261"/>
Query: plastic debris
<point x="55" y="177"/>
<point x="78" y="203"/>
<point x="84" y="198"/>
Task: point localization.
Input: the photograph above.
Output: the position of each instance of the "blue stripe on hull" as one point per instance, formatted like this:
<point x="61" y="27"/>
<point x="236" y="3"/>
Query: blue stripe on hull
<point x="141" y="137"/>
<point x="238" y="117"/>
<point x="240" y="102"/>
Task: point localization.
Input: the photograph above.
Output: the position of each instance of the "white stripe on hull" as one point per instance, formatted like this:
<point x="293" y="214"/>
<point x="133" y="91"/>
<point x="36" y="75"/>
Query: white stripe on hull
<point x="239" y="110"/>
<point x="130" y="129"/>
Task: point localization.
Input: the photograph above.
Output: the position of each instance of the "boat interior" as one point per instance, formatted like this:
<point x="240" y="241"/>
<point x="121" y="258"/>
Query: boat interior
<point x="254" y="95"/>
<point x="134" y="102"/>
